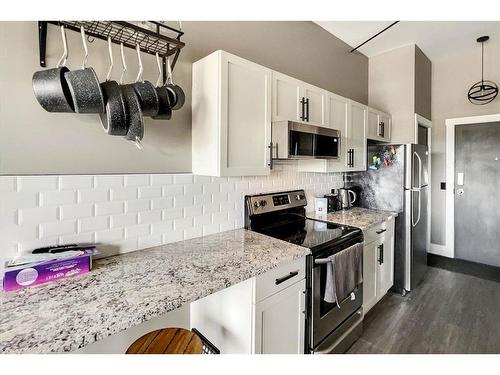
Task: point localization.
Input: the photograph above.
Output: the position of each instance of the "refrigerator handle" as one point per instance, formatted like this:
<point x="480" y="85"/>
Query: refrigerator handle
<point x="419" y="208"/>
<point x="419" y="170"/>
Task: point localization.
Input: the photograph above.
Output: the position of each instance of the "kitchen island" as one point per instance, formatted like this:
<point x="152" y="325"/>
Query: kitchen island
<point x="126" y="290"/>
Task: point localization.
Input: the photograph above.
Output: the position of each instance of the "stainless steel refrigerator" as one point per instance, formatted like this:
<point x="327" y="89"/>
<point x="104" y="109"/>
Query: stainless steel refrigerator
<point x="397" y="180"/>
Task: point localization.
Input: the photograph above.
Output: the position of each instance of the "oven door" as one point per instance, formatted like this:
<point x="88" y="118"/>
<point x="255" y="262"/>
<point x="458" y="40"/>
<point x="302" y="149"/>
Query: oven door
<point x="326" y="317"/>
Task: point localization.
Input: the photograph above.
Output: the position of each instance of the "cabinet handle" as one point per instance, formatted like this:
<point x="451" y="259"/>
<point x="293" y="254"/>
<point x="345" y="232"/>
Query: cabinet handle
<point x="381" y="129"/>
<point x="271" y="154"/>
<point x="381" y="254"/>
<point x="303" y="104"/>
<point x="381" y="231"/>
<point x="353" y="159"/>
<point x="307" y="109"/>
<point x="285" y="278"/>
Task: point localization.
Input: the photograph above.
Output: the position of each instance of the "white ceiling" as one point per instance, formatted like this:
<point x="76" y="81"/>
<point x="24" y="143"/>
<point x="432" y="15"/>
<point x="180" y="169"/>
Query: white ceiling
<point x="437" y="39"/>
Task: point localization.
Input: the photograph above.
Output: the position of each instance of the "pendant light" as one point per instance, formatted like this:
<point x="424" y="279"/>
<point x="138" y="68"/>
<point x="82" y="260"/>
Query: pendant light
<point x="482" y="92"/>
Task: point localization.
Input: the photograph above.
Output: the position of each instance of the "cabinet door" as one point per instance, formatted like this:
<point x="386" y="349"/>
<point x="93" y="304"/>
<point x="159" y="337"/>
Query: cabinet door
<point x="337" y="110"/>
<point x="369" y="276"/>
<point x="373" y="121"/>
<point x="385" y="261"/>
<point x="245" y="117"/>
<point x="356" y="136"/>
<point x="316" y="105"/>
<point x="280" y="322"/>
<point x="287" y="95"/>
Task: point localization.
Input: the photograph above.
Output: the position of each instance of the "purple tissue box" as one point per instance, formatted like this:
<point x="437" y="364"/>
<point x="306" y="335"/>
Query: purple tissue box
<point x="43" y="272"/>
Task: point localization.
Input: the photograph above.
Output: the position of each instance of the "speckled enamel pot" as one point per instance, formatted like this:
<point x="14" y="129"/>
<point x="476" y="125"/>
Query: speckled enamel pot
<point x="52" y="91"/>
<point x="114" y="121"/>
<point x="180" y="97"/>
<point x="134" y="113"/>
<point x="165" y="110"/>
<point x="148" y="98"/>
<point x="85" y="90"/>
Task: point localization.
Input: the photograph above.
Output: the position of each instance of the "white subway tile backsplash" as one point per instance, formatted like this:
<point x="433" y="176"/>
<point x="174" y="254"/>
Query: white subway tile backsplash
<point x="148" y="192"/>
<point x="109" y="208"/>
<point x="126" y="212"/>
<point x="110" y="181"/>
<point x="92" y="224"/>
<point x="93" y="195"/>
<point x="137" y="205"/>
<point x="37" y="183"/>
<point x="76" y="182"/>
<point x="149" y="217"/>
<point x="120" y="221"/>
<point x="76" y="211"/>
<point x="137" y="231"/>
<point x="137" y="180"/>
<point x="55" y="198"/>
<point x="59" y="228"/>
<point x="123" y="193"/>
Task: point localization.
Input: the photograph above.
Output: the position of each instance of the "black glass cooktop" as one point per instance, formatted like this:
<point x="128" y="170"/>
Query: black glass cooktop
<point x="309" y="233"/>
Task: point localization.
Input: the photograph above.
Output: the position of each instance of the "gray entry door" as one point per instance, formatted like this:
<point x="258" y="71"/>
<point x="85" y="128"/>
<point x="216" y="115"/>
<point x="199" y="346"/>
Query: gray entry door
<point x="477" y="194"/>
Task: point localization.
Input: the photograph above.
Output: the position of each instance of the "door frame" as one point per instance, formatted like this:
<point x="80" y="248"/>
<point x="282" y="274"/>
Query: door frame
<point x="450" y="173"/>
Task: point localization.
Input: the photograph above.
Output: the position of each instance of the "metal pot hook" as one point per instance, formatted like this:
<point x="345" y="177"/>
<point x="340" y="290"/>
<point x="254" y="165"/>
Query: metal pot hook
<point x="158" y="63"/>
<point x="124" y="64"/>
<point x="111" y="63"/>
<point x="84" y="41"/>
<point x="64" y="57"/>
<point x="139" y="74"/>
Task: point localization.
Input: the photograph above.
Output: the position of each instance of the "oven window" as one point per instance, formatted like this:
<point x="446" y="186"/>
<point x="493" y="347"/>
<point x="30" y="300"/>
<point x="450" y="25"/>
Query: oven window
<point x="326" y="146"/>
<point x="301" y="144"/>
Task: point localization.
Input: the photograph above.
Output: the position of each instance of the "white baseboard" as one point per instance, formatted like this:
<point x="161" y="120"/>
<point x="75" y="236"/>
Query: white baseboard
<point x="440" y="250"/>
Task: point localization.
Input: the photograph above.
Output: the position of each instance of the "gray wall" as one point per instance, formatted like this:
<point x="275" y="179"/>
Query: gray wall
<point x="36" y="142"/>
<point x="452" y="77"/>
<point x="423" y="80"/>
<point x="391" y="89"/>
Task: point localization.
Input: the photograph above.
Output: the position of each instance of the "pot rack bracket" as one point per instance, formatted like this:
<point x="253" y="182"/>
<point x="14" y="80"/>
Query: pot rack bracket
<point x="164" y="40"/>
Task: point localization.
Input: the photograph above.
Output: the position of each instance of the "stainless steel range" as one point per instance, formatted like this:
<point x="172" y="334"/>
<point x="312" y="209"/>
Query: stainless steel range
<point x="330" y="328"/>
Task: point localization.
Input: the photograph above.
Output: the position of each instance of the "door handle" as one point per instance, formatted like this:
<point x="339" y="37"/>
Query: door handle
<point x="307" y="109"/>
<point x="381" y="254"/>
<point x="381" y="129"/>
<point x="286" y="277"/>
<point x="271" y="154"/>
<point x="419" y="170"/>
<point x="303" y="107"/>
<point x="353" y="157"/>
<point x="380" y="231"/>
<point x="419" y="208"/>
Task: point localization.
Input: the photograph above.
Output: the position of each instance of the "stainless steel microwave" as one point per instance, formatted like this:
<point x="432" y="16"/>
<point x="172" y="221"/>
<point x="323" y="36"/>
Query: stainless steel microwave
<point x="293" y="140"/>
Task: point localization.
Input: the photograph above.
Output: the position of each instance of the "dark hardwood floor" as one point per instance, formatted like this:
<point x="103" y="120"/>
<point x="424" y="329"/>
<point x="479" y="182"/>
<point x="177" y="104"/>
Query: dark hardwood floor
<point x="448" y="313"/>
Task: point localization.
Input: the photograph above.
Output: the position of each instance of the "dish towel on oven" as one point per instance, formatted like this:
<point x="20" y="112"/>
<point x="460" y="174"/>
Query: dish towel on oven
<point x="344" y="272"/>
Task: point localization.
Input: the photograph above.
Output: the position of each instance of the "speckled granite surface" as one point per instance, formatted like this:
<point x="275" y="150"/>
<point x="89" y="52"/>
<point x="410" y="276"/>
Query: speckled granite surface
<point x="362" y="218"/>
<point x="126" y="290"/>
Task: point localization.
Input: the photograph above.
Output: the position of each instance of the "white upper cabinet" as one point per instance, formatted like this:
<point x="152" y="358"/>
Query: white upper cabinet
<point x="287" y="96"/>
<point x="231" y="109"/>
<point x="337" y="110"/>
<point x="356" y="137"/>
<point x="379" y="126"/>
<point x="294" y="100"/>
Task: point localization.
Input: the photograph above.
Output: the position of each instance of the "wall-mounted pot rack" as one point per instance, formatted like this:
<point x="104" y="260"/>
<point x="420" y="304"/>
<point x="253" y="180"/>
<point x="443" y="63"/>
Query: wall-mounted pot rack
<point x="164" y="40"/>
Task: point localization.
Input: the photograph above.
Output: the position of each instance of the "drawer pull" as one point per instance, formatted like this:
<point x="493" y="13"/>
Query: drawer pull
<point x="285" y="278"/>
<point x="381" y="231"/>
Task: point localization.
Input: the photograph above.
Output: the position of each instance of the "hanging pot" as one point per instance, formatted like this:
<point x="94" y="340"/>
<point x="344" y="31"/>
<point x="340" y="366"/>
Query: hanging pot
<point x="135" y="121"/>
<point x="146" y="93"/>
<point x="85" y="87"/>
<point x="114" y="121"/>
<point x="50" y="86"/>
<point x="179" y="96"/>
<point x="165" y="96"/>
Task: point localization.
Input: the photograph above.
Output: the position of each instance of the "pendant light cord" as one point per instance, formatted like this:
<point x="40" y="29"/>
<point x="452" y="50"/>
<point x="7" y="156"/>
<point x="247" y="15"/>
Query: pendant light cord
<point x="482" y="63"/>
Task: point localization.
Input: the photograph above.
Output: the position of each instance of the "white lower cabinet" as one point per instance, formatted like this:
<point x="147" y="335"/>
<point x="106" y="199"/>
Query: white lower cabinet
<point x="262" y="315"/>
<point x="280" y="323"/>
<point x="378" y="263"/>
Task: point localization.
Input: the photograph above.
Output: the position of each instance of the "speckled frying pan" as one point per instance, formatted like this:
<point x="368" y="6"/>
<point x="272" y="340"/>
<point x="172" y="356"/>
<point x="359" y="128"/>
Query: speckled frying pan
<point x="135" y="121"/>
<point x="85" y="87"/>
<point x="50" y="86"/>
<point x="180" y="97"/>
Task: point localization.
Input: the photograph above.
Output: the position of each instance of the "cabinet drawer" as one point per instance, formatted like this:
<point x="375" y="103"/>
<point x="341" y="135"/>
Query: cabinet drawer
<point x="279" y="278"/>
<point x="375" y="233"/>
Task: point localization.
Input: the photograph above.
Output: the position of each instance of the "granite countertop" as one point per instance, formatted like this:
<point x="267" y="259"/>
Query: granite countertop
<point x="362" y="218"/>
<point x="126" y="290"/>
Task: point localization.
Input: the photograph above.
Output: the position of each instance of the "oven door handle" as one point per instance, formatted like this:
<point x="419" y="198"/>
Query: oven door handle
<point x="322" y="261"/>
<point x="287" y="277"/>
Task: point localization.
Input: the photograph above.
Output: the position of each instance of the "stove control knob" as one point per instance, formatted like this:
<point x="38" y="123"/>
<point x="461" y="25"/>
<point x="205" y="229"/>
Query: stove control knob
<point x="256" y="204"/>
<point x="263" y="203"/>
<point x="299" y="197"/>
